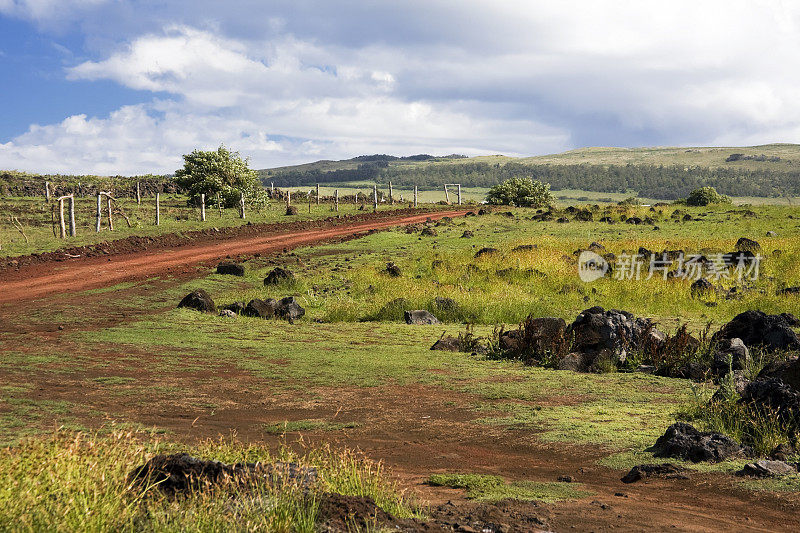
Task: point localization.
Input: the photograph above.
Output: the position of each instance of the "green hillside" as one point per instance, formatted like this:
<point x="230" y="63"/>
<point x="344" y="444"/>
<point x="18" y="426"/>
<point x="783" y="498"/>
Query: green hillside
<point x="759" y="171"/>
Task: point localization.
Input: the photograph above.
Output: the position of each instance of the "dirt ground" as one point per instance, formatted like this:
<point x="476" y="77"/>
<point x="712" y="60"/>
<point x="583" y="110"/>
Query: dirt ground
<point x="416" y="430"/>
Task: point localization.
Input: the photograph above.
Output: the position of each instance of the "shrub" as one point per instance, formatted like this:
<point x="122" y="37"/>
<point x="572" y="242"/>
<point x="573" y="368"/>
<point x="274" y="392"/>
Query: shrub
<point x="706" y="196"/>
<point x="521" y="192"/>
<point x="219" y="172"/>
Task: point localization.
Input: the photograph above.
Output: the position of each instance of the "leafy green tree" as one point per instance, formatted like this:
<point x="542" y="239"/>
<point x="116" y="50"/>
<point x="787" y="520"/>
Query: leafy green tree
<point x="219" y="171"/>
<point x="522" y="192"/>
<point x="706" y="196"/>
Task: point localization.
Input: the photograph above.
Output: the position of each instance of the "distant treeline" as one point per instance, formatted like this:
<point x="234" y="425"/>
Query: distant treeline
<point x="652" y="181"/>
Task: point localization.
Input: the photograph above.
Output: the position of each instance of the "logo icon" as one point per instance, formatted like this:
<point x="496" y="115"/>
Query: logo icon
<point x="591" y="266"/>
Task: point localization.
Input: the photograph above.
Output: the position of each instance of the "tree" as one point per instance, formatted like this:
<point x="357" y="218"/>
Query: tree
<point x="705" y="196"/>
<point x="522" y="192"/>
<point x="220" y="172"/>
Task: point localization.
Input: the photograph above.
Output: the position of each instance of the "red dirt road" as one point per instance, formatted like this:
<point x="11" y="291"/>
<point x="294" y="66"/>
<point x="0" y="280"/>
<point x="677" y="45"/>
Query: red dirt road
<point x="36" y="281"/>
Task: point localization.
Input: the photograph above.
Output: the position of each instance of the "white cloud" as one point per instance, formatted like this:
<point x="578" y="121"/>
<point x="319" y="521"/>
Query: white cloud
<point x="287" y="81"/>
<point x="47" y="11"/>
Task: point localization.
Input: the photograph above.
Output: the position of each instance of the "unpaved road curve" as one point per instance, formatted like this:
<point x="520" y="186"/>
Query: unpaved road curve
<point x="91" y="273"/>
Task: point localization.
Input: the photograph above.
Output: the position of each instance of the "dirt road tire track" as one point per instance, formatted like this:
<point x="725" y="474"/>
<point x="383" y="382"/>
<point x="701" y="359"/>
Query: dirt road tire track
<point x="84" y="273"/>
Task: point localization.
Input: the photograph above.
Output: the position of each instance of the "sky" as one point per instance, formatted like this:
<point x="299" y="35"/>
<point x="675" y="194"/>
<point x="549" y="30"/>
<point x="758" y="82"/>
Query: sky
<point x="126" y="87"/>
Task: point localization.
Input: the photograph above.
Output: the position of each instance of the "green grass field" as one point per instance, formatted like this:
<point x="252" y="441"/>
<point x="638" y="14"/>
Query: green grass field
<point x="156" y="368"/>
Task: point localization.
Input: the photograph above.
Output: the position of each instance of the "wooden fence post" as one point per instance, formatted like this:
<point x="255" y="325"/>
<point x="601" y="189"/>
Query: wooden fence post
<point x="459" y="194"/>
<point x="310" y="199"/>
<point x="375" y="197"/>
<point x="272" y="189"/>
<point x="203" y="207"/>
<point x="138" y="194"/>
<point x="47" y="191"/>
<point x="72" y="226"/>
<point x="288" y="197"/>
<point x="317" y="193"/>
<point x="415" y="196"/>
<point x="336" y="199"/>
<point x="391" y="197"/>
<point x="99" y="213"/>
<point x="61" y="218"/>
<point x="109" y="213"/>
<point x="446" y="195"/>
<point x="158" y="209"/>
<point x="241" y="205"/>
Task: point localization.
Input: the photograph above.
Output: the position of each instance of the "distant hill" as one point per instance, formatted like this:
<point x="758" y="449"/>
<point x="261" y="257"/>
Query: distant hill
<point x="768" y="171"/>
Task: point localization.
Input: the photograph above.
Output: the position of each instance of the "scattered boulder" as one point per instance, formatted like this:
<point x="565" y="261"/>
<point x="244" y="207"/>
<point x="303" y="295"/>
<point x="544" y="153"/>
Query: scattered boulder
<point x="467" y="234"/>
<point x="748" y="245"/>
<point x="767" y="468"/>
<point x="634" y="220"/>
<point x="575" y="362"/>
<point x="198" y="299"/>
<point x="788" y="291"/>
<point x="393" y="270"/>
<point x="486" y="251"/>
<point x="485" y="211"/>
<point x="278" y="275"/>
<point x="291" y="210"/>
<point x="739" y="257"/>
<point x="701" y="287"/>
<point x="181" y="473"/>
<point x="429" y="231"/>
<point x="231" y="269"/>
<point x="288" y="308"/>
<point x="261" y="308"/>
<point x="524" y="248"/>
<point x="615" y="332"/>
<point x="235" y="307"/>
<point x="420" y="317"/>
<point x="447" y="343"/>
<point x="683" y="441"/>
<point x="771" y="234"/>
<point x="562" y="220"/>
<point x="733" y="349"/>
<point x="536" y="338"/>
<point x="227" y="313"/>
<point x="755" y="328"/>
<point x="782" y="452"/>
<point x="773" y="395"/>
<point x="663" y="471"/>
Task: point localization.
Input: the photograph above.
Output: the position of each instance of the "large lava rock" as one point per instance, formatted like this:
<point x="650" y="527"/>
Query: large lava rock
<point x="613" y="332"/>
<point x="448" y="343"/>
<point x="787" y="371"/>
<point x="537" y="338"/>
<point x="278" y="275"/>
<point x="198" y="299"/>
<point x="774" y="396"/>
<point x="420" y="317"/>
<point x="261" y="308"/>
<point x="748" y="245"/>
<point x="289" y="309"/>
<point x="755" y="328"/>
<point x="182" y="473"/>
<point x="231" y="269"/>
<point x="683" y="441"/>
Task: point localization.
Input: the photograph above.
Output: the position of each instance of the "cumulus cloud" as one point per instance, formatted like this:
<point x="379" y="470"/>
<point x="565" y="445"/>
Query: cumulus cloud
<point x="289" y="81"/>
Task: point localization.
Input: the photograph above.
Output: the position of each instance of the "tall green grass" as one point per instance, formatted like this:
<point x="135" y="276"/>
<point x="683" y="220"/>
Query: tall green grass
<point x="72" y="481"/>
